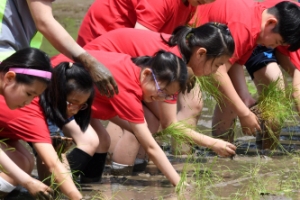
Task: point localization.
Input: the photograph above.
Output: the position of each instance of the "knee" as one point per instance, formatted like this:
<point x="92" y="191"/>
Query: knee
<point x="26" y="163"/>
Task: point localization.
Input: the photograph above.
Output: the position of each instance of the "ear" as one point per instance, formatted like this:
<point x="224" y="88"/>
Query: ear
<point x="9" y="78"/>
<point x="201" y="51"/>
<point x="271" y="23"/>
<point x="146" y="72"/>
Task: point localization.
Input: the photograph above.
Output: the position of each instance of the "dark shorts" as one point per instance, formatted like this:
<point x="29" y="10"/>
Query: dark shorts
<point x="260" y="57"/>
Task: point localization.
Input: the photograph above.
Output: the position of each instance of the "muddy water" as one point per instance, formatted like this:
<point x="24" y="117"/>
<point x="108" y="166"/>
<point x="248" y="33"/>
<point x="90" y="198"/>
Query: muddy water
<point x="250" y="175"/>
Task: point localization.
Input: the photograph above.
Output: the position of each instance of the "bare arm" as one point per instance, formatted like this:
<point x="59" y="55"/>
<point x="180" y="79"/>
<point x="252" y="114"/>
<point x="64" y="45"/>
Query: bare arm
<point x="248" y="120"/>
<point x="61" y="174"/>
<point x="140" y="26"/>
<point x="168" y="116"/>
<point x="32" y="185"/>
<point x="155" y="153"/>
<point x="41" y="11"/>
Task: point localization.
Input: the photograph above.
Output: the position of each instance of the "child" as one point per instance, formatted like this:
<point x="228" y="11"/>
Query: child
<point x="270" y="23"/>
<point x="146" y="79"/>
<point x="24" y="23"/>
<point x="24" y="75"/>
<point x="68" y="97"/>
<point x="155" y="15"/>
<point x="204" y="48"/>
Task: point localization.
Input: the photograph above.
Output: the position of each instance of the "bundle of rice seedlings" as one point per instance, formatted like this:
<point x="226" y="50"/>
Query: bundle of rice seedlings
<point x="209" y="90"/>
<point x="273" y="108"/>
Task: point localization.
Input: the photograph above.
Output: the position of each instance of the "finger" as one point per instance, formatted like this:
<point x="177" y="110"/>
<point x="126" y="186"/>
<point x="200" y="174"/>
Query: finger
<point x="231" y="146"/>
<point x="254" y="132"/>
<point x="46" y="195"/>
<point x="110" y="89"/>
<point x="101" y="89"/>
<point x="230" y="151"/>
<point x="40" y="196"/>
<point x="246" y="131"/>
<point x="115" y="86"/>
<point x="50" y="192"/>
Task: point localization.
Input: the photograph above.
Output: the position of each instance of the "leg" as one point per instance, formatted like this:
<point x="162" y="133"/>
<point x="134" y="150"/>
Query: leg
<point x="21" y="157"/>
<point x="94" y="169"/>
<point x="87" y="143"/>
<point x="128" y="158"/>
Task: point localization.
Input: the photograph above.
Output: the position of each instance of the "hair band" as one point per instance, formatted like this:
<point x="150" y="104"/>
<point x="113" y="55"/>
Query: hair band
<point x="32" y="72"/>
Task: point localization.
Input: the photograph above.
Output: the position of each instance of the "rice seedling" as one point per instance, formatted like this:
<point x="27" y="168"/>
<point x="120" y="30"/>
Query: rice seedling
<point x="274" y="106"/>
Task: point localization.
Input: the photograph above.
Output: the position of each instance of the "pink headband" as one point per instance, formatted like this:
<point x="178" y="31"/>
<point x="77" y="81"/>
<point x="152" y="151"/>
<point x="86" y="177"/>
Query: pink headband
<point x="32" y="72"/>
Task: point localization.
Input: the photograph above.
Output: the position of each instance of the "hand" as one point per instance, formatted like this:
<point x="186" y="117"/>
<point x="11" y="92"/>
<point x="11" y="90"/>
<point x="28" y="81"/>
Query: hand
<point x="39" y="190"/>
<point x="191" y="81"/>
<point x="223" y="148"/>
<point x="250" y="124"/>
<point x="101" y="76"/>
<point x="61" y="144"/>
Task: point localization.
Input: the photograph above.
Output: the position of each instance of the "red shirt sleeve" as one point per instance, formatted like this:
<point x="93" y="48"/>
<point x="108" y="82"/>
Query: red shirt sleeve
<point x="295" y="58"/>
<point x="28" y="123"/>
<point x="128" y="107"/>
<point x="154" y="14"/>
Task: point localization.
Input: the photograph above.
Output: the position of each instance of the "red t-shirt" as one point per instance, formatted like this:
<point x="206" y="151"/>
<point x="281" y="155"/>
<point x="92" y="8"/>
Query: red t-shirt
<point x="157" y="15"/>
<point x="128" y="103"/>
<point x="243" y="17"/>
<point x="28" y="123"/>
<point x="134" y="42"/>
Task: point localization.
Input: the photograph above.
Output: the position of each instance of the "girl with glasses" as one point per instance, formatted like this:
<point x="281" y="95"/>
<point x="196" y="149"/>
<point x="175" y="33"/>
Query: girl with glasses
<point x="69" y="96"/>
<point x="140" y="79"/>
<point x="204" y="49"/>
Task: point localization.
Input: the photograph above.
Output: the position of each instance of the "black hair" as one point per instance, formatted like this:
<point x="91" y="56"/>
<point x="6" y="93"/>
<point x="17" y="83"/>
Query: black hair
<point x="288" y="16"/>
<point x="214" y="37"/>
<point x="29" y="58"/>
<point x="67" y="78"/>
<point x="166" y="67"/>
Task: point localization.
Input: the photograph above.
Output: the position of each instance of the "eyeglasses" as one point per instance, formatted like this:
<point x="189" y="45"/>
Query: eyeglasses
<point x="161" y="93"/>
<point x="77" y="106"/>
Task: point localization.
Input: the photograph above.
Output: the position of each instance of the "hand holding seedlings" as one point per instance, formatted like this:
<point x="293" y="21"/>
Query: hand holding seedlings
<point x="250" y="124"/>
<point x="223" y="148"/>
<point x="39" y="190"/>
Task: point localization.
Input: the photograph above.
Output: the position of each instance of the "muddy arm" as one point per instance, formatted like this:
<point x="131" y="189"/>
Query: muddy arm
<point x="61" y="174"/>
<point x="41" y="11"/>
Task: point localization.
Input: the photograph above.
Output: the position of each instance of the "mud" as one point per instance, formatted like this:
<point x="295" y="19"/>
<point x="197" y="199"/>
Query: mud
<point x="251" y="174"/>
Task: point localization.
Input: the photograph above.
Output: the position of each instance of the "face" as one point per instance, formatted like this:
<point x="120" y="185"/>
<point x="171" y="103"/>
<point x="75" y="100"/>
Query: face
<point x="199" y="2"/>
<point x="203" y="67"/>
<point x="154" y="90"/>
<point x="18" y="95"/>
<point x="271" y="40"/>
<point x="76" y="101"/>
<point x="267" y="37"/>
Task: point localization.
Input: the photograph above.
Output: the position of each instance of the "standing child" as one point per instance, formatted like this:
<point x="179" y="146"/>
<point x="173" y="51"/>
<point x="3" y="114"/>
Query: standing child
<point x="23" y="76"/>
<point x="68" y="97"/>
